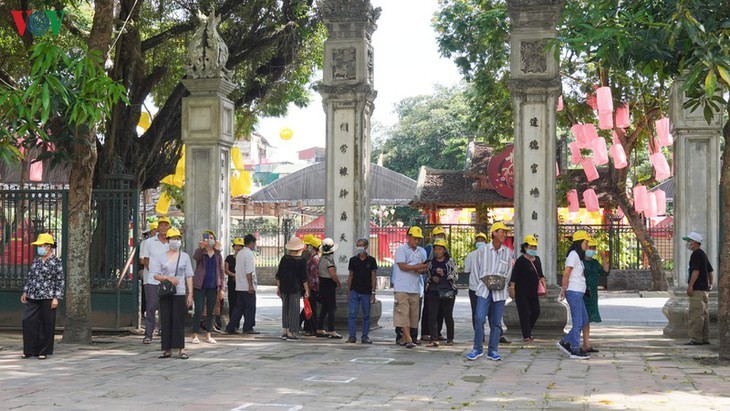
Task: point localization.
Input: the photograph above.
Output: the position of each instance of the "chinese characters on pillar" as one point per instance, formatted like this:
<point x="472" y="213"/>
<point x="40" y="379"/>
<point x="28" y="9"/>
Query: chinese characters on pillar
<point x="343" y="216"/>
<point x="343" y="171"/>
<point x="534" y="145"/>
<point x="343" y="258"/>
<point x="343" y="238"/>
<point x="343" y="148"/>
<point x="343" y="193"/>
<point x="533" y="167"/>
<point x="535" y="192"/>
<point x="533" y="122"/>
<point x="534" y="215"/>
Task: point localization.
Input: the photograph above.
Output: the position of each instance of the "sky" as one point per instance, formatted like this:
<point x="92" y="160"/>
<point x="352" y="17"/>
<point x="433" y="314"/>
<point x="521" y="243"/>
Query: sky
<point x="407" y="63"/>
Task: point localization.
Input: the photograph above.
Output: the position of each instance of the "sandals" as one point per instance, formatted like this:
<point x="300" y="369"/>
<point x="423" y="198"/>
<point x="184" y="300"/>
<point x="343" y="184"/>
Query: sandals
<point x="322" y="335"/>
<point x="42" y="357"/>
<point x="211" y="341"/>
<point x="165" y="355"/>
<point x="196" y="340"/>
<point x="334" y="336"/>
<point x="24" y="356"/>
<point x="184" y="356"/>
<point x="432" y="344"/>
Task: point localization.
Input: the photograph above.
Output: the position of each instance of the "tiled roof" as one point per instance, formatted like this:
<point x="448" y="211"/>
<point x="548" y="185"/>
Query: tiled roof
<point x="449" y="188"/>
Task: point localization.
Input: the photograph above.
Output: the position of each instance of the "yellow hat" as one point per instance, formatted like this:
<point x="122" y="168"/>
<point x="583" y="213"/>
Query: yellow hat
<point x="438" y="230"/>
<point x="415" y="232"/>
<point x="43" y="239"/>
<point x="531" y="240"/>
<point x="482" y="235"/>
<point x="153" y="225"/>
<point x="238" y="241"/>
<point x="441" y="242"/>
<point x="211" y="232"/>
<point x="307" y="239"/>
<point x="315" y="242"/>
<point x="581" y="235"/>
<point x="173" y="232"/>
<point x="163" y="220"/>
<point x="592" y="242"/>
<point x="498" y="226"/>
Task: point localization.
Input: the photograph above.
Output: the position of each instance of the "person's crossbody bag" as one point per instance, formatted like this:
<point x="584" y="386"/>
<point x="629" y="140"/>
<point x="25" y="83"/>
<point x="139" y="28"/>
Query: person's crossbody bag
<point x="166" y="287"/>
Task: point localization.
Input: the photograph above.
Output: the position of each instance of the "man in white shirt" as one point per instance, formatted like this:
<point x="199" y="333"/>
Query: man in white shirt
<point x="409" y="265"/>
<point x="152" y="247"/>
<point x="493" y="259"/>
<point x="246" y="284"/>
<point x="469" y="262"/>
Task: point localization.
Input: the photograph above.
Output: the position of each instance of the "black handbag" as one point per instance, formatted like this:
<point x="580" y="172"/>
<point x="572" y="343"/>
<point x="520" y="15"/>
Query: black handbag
<point x="447" y="293"/>
<point x="166" y="287"/>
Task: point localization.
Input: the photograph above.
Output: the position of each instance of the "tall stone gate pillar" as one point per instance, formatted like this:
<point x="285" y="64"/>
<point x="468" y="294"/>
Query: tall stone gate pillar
<point x="348" y="93"/>
<point x="535" y="87"/>
<point x="696" y="201"/>
<point x="207" y="131"/>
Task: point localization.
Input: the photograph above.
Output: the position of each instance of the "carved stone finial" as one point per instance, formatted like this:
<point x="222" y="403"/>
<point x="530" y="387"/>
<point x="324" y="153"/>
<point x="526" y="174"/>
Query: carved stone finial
<point x="208" y="54"/>
<point x="348" y="9"/>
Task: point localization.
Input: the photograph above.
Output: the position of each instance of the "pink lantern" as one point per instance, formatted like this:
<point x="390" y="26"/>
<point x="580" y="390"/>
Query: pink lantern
<point x="573" y="204"/>
<point x="591" y="200"/>
<point x="590" y="169"/>
<point x="605" y="120"/>
<point x="557" y="169"/>
<point x="622" y="116"/>
<point x="592" y="101"/>
<point x="614" y="138"/>
<point x="600" y="152"/>
<point x="653" y="145"/>
<point x="605" y="100"/>
<point x="651" y="209"/>
<point x="619" y="156"/>
<point x="575" y="156"/>
<point x="640" y="198"/>
<point x="589" y="133"/>
<point x="578" y="132"/>
<point x="560" y="104"/>
<point x="36" y="171"/>
<point x="660" y="165"/>
<point x="662" y="132"/>
<point x="661" y="202"/>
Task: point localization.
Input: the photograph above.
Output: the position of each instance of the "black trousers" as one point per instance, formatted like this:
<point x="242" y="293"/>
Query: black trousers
<point x="528" y="308"/>
<point x="328" y="298"/>
<point x="440" y="310"/>
<point x="245" y="308"/>
<point x="231" y="297"/>
<point x="172" y="321"/>
<point x="414" y="331"/>
<point x="426" y="320"/>
<point x="310" y="325"/>
<point x="39" y="327"/>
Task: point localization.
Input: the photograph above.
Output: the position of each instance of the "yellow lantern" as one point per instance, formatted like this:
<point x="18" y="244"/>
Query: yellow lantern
<point x="286" y="133"/>
<point x="144" y="120"/>
<point x="237" y="158"/>
<point x="163" y="204"/>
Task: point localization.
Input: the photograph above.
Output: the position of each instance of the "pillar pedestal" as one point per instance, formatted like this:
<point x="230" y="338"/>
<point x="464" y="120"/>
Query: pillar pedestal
<point x="553" y="313"/>
<point x="676" y="310"/>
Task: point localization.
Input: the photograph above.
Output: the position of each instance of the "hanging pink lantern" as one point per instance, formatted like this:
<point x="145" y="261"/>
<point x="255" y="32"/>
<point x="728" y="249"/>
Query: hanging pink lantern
<point x="600" y="152"/>
<point x="590" y="169"/>
<point x="605" y="100"/>
<point x="640" y="198"/>
<point x="614" y="138"/>
<point x="592" y="101"/>
<point x="652" y="144"/>
<point x="591" y="200"/>
<point x="661" y="166"/>
<point x="651" y="209"/>
<point x="578" y="132"/>
<point x="560" y="104"/>
<point x="36" y="171"/>
<point x="619" y="156"/>
<point x="589" y="133"/>
<point x="573" y="204"/>
<point x="622" y="116"/>
<point x="661" y="202"/>
<point x="575" y="156"/>
<point x="557" y="169"/>
<point x="662" y="132"/>
<point x="605" y="120"/>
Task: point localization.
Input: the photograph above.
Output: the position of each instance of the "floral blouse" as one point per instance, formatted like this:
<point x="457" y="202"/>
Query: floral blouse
<point x="45" y="280"/>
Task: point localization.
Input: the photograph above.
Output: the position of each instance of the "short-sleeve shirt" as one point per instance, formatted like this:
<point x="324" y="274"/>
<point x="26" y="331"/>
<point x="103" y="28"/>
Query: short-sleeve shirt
<point x="160" y="264"/>
<point x="577" y="280"/>
<point x="245" y="264"/>
<point x="699" y="261"/>
<point x="408" y="281"/>
<point x="292" y="273"/>
<point x="325" y="262"/>
<point x="152" y="247"/>
<point x="362" y="271"/>
<point x="231" y="261"/>
<point x="469" y="262"/>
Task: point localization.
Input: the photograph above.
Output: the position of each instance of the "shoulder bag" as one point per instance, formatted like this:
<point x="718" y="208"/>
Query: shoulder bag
<point x="494" y="282"/>
<point x="166" y="287"/>
<point x="541" y="290"/>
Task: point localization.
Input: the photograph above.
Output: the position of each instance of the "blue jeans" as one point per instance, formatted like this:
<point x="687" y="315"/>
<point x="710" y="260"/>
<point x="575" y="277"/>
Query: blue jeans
<point x="495" y="310"/>
<point x="579" y="316"/>
<point x="356" y="301"/>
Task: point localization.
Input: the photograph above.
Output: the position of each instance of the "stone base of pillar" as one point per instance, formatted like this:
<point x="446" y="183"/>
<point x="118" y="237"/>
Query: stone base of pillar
<point x="342" y="314"/>
<point x="676" y="310"/>
<point x="553" y="313"/>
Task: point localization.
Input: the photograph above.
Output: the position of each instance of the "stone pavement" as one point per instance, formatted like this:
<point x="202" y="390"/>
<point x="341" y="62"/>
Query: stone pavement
<point x="637" y="368"/>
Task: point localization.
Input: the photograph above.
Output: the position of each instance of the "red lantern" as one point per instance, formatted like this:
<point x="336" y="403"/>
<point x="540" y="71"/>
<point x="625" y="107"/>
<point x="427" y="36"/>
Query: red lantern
<point x="36" y="171"/>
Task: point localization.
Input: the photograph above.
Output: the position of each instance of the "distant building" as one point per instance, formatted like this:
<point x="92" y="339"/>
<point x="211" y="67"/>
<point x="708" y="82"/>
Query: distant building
<point x="312" y="155"/>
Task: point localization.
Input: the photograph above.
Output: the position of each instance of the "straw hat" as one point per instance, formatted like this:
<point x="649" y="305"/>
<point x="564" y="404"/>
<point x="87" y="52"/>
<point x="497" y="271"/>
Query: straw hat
<point x="294" y="244"/>
<point x="328" y="246"/>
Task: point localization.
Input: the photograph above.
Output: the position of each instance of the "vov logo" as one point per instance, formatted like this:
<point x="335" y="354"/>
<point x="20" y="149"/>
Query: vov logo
<point x="37" y="22"/>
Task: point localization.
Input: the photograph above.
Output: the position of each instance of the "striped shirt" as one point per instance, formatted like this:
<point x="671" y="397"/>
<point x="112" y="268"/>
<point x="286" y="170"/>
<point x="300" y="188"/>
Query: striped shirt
<point x="492" y="261"/>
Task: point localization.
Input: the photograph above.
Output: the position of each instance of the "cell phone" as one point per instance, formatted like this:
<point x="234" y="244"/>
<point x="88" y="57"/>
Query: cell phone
<point x="205" y="236"/>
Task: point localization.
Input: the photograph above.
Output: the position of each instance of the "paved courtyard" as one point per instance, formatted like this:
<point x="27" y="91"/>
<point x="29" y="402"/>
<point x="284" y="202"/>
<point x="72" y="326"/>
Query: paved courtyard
<point x="637" y="368"/>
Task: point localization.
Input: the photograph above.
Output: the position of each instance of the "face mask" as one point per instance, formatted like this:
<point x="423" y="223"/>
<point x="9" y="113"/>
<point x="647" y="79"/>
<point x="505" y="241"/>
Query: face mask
<point x="590" y="253"/>
<point x="211" y="242"/>
<point x="359" y="250"/>
<point x="532" y="252"/>
<point x="689" y="246"/>
<point x="42" y="251"/>
<point x="175" y="244"/>
<point x="480" y="245"/>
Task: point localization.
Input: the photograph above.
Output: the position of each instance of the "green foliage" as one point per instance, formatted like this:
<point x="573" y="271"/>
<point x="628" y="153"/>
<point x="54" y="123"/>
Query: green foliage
<point x="431" y="131"/>
<point x="69" y="86"/>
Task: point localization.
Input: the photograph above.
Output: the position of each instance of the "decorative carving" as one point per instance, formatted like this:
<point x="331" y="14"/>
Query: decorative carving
<point x="334" y="10"/>
<point x="207" y="53"/>
<point x="534" y="145"/>
<point x="344" y="193"/>
<point x="535" y="192"/>
<point x="533" y="3"/>
<point x="360" y="90"/>
<point x="371" y="65"/>
<point x="540" y="87"/>
<point x="533" y="56"/>
<point x="343" y="63"/>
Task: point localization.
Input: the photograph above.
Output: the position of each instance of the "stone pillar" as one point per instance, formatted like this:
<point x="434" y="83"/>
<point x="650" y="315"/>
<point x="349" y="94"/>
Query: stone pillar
<point x="348" y="93"/>
<point x="535" y="87"/>
<point x="696" y="201"/>
<point x="207" y="131"/>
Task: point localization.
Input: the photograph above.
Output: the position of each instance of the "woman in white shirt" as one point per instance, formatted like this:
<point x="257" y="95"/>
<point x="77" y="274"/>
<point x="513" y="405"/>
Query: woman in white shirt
<point x="574" y="287"/>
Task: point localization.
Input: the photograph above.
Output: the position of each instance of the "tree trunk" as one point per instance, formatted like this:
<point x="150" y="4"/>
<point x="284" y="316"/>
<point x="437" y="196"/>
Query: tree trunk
<point x="723" y="272"/>
<point x="81" y="180"/>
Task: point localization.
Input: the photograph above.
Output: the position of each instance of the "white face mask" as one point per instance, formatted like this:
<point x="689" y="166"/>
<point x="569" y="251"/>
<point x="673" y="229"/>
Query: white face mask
<point x="175" y="244"/>
<point x="359" y="250"/>
<point x="211" y="242"/>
